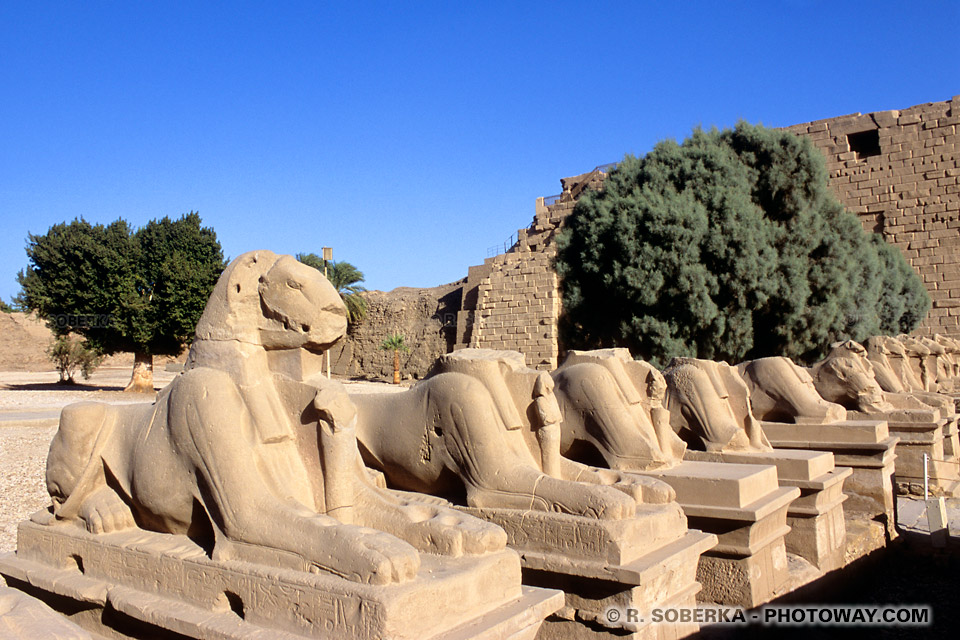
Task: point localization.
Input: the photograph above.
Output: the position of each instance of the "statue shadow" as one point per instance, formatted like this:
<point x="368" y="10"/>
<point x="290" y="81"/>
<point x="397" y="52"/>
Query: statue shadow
<point x="61" y="386"/>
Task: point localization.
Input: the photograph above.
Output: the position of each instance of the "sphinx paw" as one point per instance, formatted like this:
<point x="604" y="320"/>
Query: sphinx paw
<point x="372" y="556"/>
<point x="104" y="512"/>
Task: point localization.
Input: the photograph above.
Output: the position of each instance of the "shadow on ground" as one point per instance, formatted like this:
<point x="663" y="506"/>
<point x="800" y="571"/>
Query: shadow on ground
<point x="901" y="574"/>
<point x="58" y="386"/>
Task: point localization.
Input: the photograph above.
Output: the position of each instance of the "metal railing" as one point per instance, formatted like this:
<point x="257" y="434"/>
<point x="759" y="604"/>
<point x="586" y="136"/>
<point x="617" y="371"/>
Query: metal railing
<point x="507" y="245"/>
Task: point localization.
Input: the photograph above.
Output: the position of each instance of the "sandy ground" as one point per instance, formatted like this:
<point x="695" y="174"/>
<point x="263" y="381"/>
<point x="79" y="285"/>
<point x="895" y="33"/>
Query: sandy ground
<point x="30" y="404"/>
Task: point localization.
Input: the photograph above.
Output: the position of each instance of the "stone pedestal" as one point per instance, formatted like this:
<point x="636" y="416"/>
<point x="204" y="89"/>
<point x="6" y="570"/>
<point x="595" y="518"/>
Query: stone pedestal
<point x="951" y="439"/>
<point x="636" y="563"/>
<point x="866" y="447"/>
<point x="920" y="432"/>
<point x="817" y="531"/>
<point x="26" y="618"/>
<point x="138" y="584"/>
<point x="955" y="396"/>
<point x="747" y="510"/>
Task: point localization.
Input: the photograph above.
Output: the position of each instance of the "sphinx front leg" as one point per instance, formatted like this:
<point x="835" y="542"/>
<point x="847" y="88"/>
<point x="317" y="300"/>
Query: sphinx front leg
<point x="103" y="511"/>
<point x="428" y="526"/>
<point x="212" y="427"/>
<point x="643" y="489"/>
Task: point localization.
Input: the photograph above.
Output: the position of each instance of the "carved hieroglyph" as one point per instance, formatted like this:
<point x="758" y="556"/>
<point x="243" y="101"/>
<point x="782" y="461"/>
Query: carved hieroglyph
<point x="248" y="450"/>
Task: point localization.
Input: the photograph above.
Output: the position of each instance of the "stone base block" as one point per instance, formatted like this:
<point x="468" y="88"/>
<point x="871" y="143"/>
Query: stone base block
<point x="917" y="440"/>
<point x="715" y="484"/>
<point x="951" y="440"/>
<point x="820" y="539"/>
<point x="791" y="464"/>
<point x="637" y="563"/>
<point x="590" y="547"/>
<point x="137" y="584"/>
<point x="816" y="516"/>
<point x="864" y="446"/>
<point x="665" y="578"/>
<point x="921" y="432"/>
<point x="26" y="618"/>
<point x="746" y="581"/>
<point x="747" y="510"/>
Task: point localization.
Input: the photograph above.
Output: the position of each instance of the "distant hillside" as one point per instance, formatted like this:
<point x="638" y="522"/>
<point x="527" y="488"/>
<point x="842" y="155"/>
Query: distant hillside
<point x="23" y="343"/>
<point x="24" y="340"/>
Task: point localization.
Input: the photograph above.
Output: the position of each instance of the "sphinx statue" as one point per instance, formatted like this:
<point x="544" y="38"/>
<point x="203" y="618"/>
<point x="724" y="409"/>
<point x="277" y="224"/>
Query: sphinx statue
<point x="614" y="405"/>
<point x="781" y="391"/>
<point x="890" y="362"/>
<point x="948" y="373"/>
<point x="922" y="361"/>
<point x="249" y="449"/>
<point x="846" y="377"/>
<point x="709" y="406"/>
<point x="887" y="358"/>
<point x="483" y="430"/>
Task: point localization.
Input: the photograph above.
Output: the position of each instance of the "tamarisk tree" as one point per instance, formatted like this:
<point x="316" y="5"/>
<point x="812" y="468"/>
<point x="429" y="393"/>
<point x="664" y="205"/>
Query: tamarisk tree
<point x="729" y="246"/>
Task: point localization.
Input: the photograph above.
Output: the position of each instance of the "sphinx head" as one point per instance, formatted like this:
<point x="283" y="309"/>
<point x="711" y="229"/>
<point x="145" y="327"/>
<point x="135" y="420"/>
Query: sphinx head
<point x="273" y="301"/>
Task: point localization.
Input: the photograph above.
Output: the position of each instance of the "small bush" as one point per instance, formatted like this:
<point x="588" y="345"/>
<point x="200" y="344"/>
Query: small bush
<point x="70" y="354"/>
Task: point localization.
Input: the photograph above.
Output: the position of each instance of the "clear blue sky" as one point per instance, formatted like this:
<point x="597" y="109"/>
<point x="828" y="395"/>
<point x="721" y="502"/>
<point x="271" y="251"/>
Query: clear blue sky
<point x="409" y="136"/>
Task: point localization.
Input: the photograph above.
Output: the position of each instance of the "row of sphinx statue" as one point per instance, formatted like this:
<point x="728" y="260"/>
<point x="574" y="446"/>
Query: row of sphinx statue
<point x="222" y="450"/>
<point x="252" y="449"/>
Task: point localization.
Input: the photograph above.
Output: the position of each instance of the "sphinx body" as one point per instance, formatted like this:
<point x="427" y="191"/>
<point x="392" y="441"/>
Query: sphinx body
<point x="781" y="391"/>
<point x="948" y="375"/>
<point x="709" y="407"/>
<point x="484" y="430"/>
<point x="613" y="405"/>
<point x="921" y="361"/>
<point x="888" y="359"/>
<point x="848" y="377"/>
<point x="246" y="448"/>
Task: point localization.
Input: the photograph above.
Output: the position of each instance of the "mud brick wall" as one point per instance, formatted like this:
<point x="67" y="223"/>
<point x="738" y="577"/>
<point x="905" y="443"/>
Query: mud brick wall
<point x="900" y="172"/>
<point x="512" y="301"/>
<point x="517" y="308"/>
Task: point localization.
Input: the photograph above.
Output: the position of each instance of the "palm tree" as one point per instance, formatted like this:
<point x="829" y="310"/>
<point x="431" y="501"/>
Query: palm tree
<point x="346" y="279"/>
<point x="395" y="343"/>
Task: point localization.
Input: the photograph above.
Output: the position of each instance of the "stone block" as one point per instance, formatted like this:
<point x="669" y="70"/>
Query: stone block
<point x="167" y="583"/>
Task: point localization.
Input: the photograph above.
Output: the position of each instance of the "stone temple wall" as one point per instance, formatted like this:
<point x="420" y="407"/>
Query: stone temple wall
<point x="900" y="172"/>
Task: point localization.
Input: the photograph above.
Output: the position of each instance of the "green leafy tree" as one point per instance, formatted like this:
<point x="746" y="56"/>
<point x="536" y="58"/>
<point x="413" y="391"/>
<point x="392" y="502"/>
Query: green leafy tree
<point x="70" y="354"/>
<point x="139" y="291"/>
<point x="346" y="279"/>
<point x="6" y="308"/>
<point x="395" y="343"/>
<point x="728" y="246"/>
